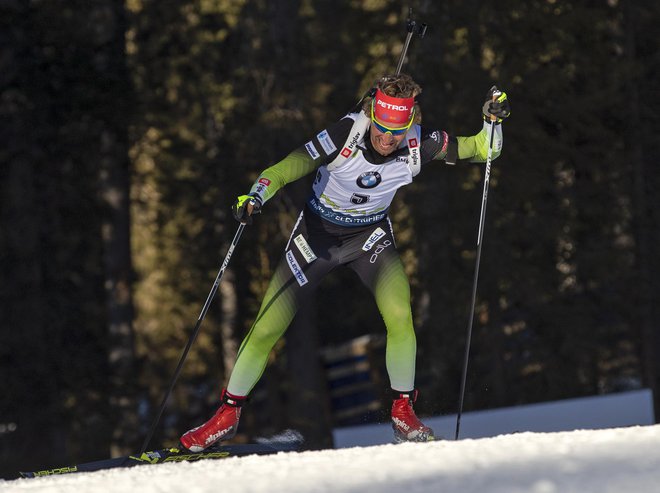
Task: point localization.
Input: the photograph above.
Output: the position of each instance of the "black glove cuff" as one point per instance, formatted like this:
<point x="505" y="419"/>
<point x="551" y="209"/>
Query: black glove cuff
<point x="488" y="120"/>
<point x="452" y="151"/>
<point x="256" y="198"/>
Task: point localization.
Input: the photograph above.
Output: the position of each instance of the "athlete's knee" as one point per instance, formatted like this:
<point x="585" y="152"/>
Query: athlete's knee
<point x="398" y="315"/>
<point x="400" y="330"/>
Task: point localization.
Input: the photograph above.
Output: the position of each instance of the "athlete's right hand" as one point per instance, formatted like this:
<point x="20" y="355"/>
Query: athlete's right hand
<point x="244" y="207"/>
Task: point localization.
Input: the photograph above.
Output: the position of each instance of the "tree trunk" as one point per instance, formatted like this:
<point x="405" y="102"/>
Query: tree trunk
<point x="309" y="411"/>
<point x="115" y="193"/>
<point x="643" y="226"/>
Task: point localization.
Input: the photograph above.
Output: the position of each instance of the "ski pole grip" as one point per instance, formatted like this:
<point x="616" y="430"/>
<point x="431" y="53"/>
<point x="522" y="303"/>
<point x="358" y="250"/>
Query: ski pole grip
<point x="496" y="94"/>
<point x="253" y="206"/>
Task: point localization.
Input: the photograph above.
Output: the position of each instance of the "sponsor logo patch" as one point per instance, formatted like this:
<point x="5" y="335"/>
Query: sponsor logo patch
<point x="373" y="239"/>
<point x="326" y="142"/>
<point x="348" y="150"/>
<point x="414" y="155"/>
<point x="441" y="138"/>
<point x="401" y="424"/>
<point x="370" y="179"/>
<point x="264" y="181"/>
<point x="304" y="248"/>
<point x="311" y="150"/>
<point x="389" y="106"/>
<point x="215" y="436"/>
<point x="295" y="268"/>
<point x="358" y="199"/>
<point x="412" y="143"/>
<point x="378" y="250"/>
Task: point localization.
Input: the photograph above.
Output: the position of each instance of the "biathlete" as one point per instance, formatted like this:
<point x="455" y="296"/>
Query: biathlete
<point x="360" y="163"/>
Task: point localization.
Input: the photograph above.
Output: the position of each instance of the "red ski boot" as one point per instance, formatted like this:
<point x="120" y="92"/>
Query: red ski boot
<point x="407" y="427"/>
<point x="222" y="426"/>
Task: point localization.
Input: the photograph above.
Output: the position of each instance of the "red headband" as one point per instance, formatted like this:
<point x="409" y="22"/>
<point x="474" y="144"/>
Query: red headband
<point x="392" y="112"/>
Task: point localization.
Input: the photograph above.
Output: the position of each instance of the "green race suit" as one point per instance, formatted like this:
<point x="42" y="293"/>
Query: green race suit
<point x="345" y="223"/>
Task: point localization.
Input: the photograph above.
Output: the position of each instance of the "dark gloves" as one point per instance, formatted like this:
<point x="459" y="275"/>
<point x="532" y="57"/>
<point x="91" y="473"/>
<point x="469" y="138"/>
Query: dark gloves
<point x="496" y="105"/>
<point x="244" y="207"/>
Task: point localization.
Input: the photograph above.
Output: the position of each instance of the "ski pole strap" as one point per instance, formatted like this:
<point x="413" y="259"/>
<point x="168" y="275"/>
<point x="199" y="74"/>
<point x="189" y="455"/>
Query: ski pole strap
<point x="410" y="395"/>
<point x="233" y="400"/>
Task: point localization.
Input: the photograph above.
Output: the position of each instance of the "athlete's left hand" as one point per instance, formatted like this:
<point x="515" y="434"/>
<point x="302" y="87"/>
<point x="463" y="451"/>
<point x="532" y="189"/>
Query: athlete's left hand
<point x="497" y="105"/>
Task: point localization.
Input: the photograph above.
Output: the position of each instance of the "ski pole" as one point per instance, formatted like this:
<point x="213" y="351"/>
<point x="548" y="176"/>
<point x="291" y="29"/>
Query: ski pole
<point x="193" y="336"/>
<point x="482" y="219"/>
<point x="413" y="28"/>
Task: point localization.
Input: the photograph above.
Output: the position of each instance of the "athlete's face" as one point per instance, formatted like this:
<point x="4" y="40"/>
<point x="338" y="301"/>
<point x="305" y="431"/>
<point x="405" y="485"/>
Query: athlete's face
<point x="384" y="143"/>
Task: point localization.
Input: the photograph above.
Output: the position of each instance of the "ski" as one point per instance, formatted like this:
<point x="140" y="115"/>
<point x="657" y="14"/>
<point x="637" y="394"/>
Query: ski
<point x="173" y="454"/>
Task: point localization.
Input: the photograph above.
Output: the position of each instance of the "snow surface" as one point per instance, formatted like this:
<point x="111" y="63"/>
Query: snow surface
<point x="618" y="410"/>
<point x="604" y="461"/>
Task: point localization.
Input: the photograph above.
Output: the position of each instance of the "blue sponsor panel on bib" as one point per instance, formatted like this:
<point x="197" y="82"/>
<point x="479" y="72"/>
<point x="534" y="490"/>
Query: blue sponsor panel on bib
<point x="343" y="219"/>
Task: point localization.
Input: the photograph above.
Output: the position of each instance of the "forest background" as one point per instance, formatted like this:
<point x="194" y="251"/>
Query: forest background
<point x="129" y="127"/>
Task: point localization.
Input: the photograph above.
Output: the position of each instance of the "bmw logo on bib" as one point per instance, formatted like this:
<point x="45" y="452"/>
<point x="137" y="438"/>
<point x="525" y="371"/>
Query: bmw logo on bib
<point x="370" y="179"/>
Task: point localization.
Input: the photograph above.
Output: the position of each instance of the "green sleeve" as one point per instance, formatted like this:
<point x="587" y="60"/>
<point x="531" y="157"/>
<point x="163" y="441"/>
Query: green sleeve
<point x="475" y="147"/>
<point x="296" y="165"/>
